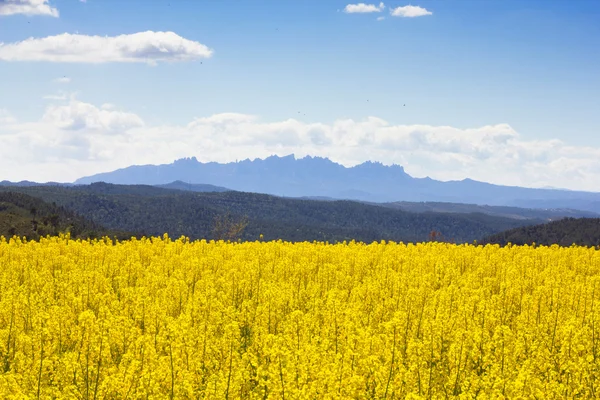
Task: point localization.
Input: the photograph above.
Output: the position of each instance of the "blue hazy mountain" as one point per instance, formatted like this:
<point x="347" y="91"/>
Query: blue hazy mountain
<point x="30" y="183"/>
<point x="193" y="187"/>
<point x="321" y="177"/>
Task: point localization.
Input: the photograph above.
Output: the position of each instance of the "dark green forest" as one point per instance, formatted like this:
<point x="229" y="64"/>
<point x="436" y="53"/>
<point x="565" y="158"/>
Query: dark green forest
<point x="499" y="211"/>
<point x="565" y="232"/>
<point x="153" y="211"/>
<point x="24" y="215"/>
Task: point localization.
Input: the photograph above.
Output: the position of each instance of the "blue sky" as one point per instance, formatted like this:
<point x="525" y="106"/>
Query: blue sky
<point x="532" y="67"/>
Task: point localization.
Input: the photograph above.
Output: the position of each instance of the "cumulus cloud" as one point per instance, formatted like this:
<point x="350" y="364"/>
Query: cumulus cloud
<point x="143" y="47"/>
<point x="27" y="7"/>
<point x="363" y="8"/>
<point x="76" y="138"/>
<point x="78" y="115"/>
<point x="409" y="11"/>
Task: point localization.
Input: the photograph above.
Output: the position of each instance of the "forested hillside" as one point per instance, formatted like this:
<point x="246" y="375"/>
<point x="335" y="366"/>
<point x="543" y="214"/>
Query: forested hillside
<point x="500" y="211"/>
<point x="28" y="216"/>
<point x="581" y="231"/>
<point x="154" y="211"/>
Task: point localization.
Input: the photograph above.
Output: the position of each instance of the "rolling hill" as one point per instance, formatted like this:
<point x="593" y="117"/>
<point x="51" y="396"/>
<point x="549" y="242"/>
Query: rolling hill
<point x="419" y="207"/>
<point x="154" y="211"/>
<point x="499" y="211"/>
<point x="24" y="215"/>
<point x="565" y="232"/>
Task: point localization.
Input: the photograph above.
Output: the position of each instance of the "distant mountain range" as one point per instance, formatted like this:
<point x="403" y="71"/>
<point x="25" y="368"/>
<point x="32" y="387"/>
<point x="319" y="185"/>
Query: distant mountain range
<point x="320" y="178"/>
<point x="30" y="183"/>
<point x="193" y="187"/>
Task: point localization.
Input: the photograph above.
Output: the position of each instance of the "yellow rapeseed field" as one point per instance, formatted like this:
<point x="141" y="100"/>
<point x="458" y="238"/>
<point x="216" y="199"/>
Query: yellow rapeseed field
<point x="173" y="319"/>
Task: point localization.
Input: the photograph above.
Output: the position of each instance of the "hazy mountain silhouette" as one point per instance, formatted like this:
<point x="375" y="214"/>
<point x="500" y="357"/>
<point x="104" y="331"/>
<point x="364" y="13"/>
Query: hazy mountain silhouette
<point x="193" y="187"/>
<point x="29" y="183"/>
<point x="317" y="176"/>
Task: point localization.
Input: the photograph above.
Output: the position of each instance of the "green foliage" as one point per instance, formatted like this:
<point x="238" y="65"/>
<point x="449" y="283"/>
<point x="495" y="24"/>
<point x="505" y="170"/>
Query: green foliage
<point x="565" y="232"/>
<point x="24" y="215"/>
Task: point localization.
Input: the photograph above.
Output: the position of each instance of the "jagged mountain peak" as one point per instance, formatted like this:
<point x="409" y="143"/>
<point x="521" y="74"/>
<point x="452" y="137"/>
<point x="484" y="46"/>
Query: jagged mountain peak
<point x="320" y="176"/>
<point x="186" y="160"/>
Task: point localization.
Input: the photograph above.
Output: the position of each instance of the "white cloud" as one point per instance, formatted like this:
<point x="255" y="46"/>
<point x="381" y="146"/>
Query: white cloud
<point x="75" y="138"/>
<point x="380" y="18"/>
<point x="64" y="79"/>
<point x="78" y="115"/>
<point x="27" y="7"/>
<point x="143" y="47"/>
<point x="409" y="11"/>
<point x="363" y="8"/>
